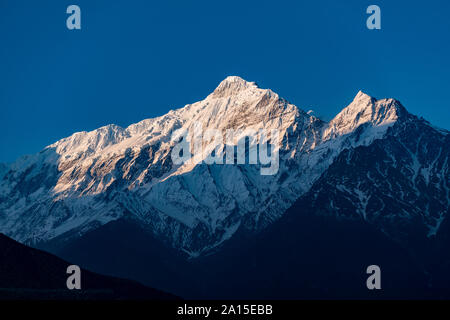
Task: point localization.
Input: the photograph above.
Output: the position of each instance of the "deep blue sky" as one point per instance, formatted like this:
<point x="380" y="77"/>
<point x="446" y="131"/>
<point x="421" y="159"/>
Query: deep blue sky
<point x="137" y="59"/>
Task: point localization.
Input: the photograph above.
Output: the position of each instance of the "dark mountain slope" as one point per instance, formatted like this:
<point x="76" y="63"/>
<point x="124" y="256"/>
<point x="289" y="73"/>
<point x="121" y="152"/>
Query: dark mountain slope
<point x="311" y="257"/>
<point x="301" y="256"/>
<point x="27" y="273"/>
<point x="399" y="185"/>
<point x="123" y="248"/>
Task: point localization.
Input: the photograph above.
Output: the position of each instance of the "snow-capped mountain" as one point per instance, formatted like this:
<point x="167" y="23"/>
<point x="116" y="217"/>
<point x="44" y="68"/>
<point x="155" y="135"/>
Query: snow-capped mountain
<point x="90" y="178"/>
<point x="400" y="183"/>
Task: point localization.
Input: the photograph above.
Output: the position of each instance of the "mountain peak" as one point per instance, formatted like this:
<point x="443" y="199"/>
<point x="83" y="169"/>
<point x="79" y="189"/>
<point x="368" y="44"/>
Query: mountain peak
<point x="365" y="109"/>
<point x="232" y="85"/>
<point x="236" y="80"/>
<point x="361" y="96"/>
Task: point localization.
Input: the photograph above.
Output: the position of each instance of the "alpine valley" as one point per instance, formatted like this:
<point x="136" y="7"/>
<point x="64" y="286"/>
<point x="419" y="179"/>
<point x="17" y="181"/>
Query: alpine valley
<point x="371" y="186"/>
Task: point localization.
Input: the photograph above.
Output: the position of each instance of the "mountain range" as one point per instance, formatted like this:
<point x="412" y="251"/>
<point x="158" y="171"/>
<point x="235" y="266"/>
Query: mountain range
<point x="372" y="182"/>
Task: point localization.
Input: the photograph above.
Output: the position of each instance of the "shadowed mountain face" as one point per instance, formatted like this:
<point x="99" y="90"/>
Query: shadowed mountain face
<point x="27" y="273"/>
<point x="124" y="249"/>
<point x="302" y="256"/>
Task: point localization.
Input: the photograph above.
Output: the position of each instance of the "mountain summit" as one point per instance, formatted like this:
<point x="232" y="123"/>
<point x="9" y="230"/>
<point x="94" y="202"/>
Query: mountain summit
<point x="84" y="181"/>
<point x="365" y="110"/>
<point x="232" y="85"/>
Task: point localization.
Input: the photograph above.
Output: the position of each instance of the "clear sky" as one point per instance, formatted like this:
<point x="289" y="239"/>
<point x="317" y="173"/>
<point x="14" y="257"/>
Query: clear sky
<point x="137" y="59"/>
